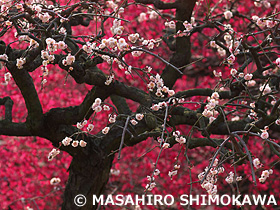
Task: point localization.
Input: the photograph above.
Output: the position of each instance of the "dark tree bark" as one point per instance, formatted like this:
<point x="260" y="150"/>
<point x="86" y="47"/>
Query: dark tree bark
<point x="90" y="167"/>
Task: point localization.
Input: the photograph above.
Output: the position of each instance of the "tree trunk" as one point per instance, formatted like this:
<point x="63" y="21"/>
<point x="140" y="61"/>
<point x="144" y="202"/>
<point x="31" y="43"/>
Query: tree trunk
<point x="88" y="176"/>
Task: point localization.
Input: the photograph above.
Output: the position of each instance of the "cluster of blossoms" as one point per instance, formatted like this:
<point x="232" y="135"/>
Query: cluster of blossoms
<point x="209" y="184"/>
<point x="247" y="77"/>
<point x="262" y="22"/>
<point x="157" y="83"/>
<point x="53" y="46"/>
<point x="231" y="44"/>
<point x="160" y="105"/>
<point x="67" y="140"/>
<point x="178" y="138"/>
<point x="170" y="24"/>
<point x="143" y="16"/>
<point x="264" y="3"/>
<point x="20" y="62"/>
<point x="89" y="47"/>
<point x="43" y="16"/>
<point x="55" y="181"/>
<point x="265" y="89"/>
<point x="47" y="57"/>
<point x="80" y="125"/>
<point x="53" y="153"/>
<point x="150" y="43"/>
<point x="209" y="110"/>
<point x="152" y="13"/>
<point x="174" y="171"/>
<point x="96" y="106"/>
<point x="114" y="44"/>
<point x="110" y="79"/>
<point x="188" y="26"/>
<point x="230" y="178"/>
<point x="152" y="184"/>
<point x="69" y="60"/>
<point x="270" y="72"/>
<point x="265" y="175"/>
<point x="136" y="53"/>
<point x="117" y="28"/>
<point x="107" y="58"/>
<point x="220" y="50"/>
<point x="138" y="117"/>
<point x="112" y="5"/>
<point x="253" y="114"/>
<point x="112" y="119"/>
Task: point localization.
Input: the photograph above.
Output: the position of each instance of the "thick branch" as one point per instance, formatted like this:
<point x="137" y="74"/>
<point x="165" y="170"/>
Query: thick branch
<point x="182" y="55"/>
<point x="14" y="129"/>
<point x="25" y="83"/>
<point x="159" y="4"/>
<point x="201" y="92"/>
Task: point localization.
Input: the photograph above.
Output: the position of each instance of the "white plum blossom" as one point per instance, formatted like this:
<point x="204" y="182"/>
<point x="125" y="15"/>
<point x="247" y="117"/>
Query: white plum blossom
<point x="228" y="14"/>
<point x="139" y="116"/>
<point x="157" y="172"/>
<point x="181" y="140"/>
<point x="278" y="62"/>
<point x="257" y="163"/>
<point x="112" y="118"/>
<point x="248" y="76"/>
<point x="231" y="59"/>
<point x="69" y="60"/>
<point x="53" y="153"/>
<point x="75" y="143"/>
<point x="7" y="77"/>
<point x="106" y="108"/>
<point x="172" y="173"/>
<point x="133" y="122"/>
<point x="4" y="57"/>
<point x="55" y="181"/>
<point x="83" y="143"/>
<point x="109" y="79"/>
<point x="229" y="178"/>
<point x="265" y="89"/>
<point x="20" y="62"/>
<point x="66" y="141"/>
<point x="90" y="127"/>
<point x="61" y="45"/>
<point x="142" y="17"/>
<point x="105" y="130"/>
<point x="213" y="44"/>
<point x="133" y="37"/>
<point x="166" y="145"/>
<point x="265" y="174"/>
<point x="264" y="134"/>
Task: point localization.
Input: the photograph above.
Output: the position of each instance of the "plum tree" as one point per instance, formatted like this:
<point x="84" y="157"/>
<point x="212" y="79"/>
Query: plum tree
<point x="187" y="74"/>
